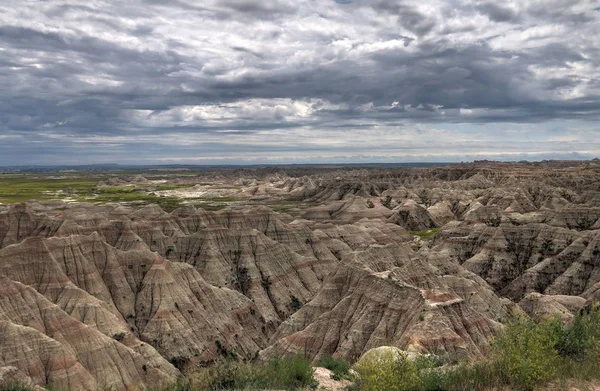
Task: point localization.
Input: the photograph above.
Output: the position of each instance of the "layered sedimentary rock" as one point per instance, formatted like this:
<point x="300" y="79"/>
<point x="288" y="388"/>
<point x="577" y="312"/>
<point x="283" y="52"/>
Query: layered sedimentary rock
<point x="134" y="277"/>
<point x="544" y="307"/>
<point x="125" y="295"/>
<point x="351" y="209"/>
<point x="381" y="297"/>
<point x="412" y="216"/>
<point x="52" y="347"/>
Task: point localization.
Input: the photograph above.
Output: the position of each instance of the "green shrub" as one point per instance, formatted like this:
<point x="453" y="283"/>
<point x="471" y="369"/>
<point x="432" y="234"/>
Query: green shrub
<point x="339" y="367"/>
<point x="288" y="373"/>
<point x="526" y="355"/>
<point x="581" y="336"/>
<point x="397" y="373"/>
<point x="15" y="386"/>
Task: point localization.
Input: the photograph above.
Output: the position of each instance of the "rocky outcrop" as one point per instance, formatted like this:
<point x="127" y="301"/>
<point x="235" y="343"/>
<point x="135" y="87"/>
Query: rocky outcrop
<point x="137" y="295"/>
<point x="11" y="376"/>
<point x="412" y="216"/>
<point x="382" y="297"/>
<point x="545" y="307"/>
<point x="52" y="347"/>
<point x="349" y="210"/>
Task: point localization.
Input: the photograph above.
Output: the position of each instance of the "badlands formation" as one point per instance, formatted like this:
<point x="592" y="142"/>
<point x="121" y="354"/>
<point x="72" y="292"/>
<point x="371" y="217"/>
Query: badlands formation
<point x="431" y="260"/>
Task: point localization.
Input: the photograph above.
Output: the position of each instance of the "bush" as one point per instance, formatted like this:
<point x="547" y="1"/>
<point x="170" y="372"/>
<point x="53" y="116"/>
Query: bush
<point x="339" y="367"/>
<point x="289" y="373"/>
<point x="15" y="386"/>
<point x="526" y="355"/>
<point x="392" y="372"/>
<point x="581" y="336"/>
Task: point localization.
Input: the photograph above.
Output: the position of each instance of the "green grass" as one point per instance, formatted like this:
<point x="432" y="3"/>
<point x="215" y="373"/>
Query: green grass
<point x="116" y="189"/>
<point x="174" y="187"/>
<point x="288" y="373"/>
<point x="425" y="234"/>
<point x="15" y="189"/>
<point x="168" y="204"/>
<point x="339" y="367"/>
<point x="15" y="386"/>
<point x="219" y="199"/>
<point x="21" y="188"/>
<point x="527" y="356"/>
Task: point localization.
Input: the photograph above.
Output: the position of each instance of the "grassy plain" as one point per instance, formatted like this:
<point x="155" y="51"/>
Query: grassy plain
<point x="15" y="188"/>
<point x="84" y="187"/>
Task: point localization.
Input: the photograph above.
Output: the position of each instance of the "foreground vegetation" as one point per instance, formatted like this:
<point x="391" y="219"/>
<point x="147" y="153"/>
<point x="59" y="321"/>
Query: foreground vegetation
<point x="289" y="373"/>
<point x="527" y="356"/>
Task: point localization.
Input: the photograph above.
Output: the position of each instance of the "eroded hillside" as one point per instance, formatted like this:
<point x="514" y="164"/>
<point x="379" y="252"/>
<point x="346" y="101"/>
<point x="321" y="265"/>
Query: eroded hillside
<point x="102" y="292"/>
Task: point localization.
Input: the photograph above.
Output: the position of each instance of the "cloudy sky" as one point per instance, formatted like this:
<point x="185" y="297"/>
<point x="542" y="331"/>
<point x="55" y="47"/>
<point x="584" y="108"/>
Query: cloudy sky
<point x="293" y="81"/>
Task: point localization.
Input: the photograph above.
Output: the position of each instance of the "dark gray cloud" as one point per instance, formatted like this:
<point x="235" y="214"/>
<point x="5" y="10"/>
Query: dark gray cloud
<point x="232" y="78"/>
<point x="497" y="12"/>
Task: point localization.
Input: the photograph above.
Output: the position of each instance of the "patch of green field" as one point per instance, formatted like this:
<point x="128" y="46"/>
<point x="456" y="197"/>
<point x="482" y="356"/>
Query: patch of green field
<point x="425" y="234"/>
<point x="116" y="189"/>
<point x="15" y="189"/>
<point x="134" y="197"/>
<point x="219" y="199"/>
<point x="174" y="187"/>
<point x="211" y="207"/>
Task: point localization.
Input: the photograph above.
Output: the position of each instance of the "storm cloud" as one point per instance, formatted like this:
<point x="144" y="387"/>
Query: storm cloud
<point x="234" y="81"/>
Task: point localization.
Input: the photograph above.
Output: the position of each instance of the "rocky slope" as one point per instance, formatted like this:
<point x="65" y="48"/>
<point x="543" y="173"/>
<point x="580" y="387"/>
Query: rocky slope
<point x="120" y="295"/>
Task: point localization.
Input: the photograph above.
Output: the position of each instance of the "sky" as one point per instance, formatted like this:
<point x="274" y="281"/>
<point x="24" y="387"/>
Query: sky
<point x="298" y="81"/>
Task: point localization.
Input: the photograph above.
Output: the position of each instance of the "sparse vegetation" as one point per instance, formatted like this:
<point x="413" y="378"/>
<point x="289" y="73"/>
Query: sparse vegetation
<point x="390" y="372"/>
<point x="293" y="208"/>
<point x="425" y="234"/>
<point x="339" y="367"/>
<point x="119" y="337"/>
<point x="295" y="303"/>
<point x="15" y="386"/>
<point x="83" y="188"/>
<point x="23" y="188"/>
<point x="174" y="187"/>
<point x="527" y="356"/>
<point x="289" y="373"/>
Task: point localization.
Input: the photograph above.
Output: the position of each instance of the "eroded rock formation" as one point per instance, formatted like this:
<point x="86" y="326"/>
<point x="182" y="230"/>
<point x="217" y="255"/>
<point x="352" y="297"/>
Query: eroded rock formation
<point x="121" y="295"/>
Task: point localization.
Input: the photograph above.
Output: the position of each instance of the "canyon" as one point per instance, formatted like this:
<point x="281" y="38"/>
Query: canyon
<point x="254" y="263"/>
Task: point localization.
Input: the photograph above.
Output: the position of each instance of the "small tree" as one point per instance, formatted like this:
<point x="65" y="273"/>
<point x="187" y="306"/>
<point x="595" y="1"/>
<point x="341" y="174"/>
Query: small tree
<point x="525" y="354"/>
